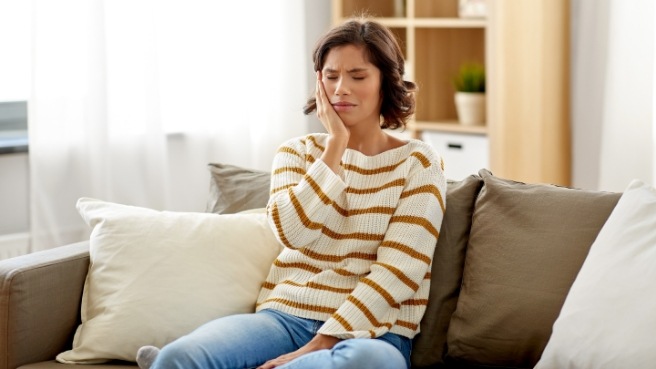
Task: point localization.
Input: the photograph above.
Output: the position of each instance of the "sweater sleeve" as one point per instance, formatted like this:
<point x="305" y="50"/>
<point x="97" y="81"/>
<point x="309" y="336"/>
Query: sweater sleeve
<point x="303" y="189"/>
<point x="403" y="259"/>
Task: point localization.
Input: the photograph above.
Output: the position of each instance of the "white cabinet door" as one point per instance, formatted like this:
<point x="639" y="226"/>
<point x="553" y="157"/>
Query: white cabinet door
<point x="463" y="153"/>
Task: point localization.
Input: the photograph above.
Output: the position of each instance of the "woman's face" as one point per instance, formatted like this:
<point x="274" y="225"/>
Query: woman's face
<point x="353" y="85"/>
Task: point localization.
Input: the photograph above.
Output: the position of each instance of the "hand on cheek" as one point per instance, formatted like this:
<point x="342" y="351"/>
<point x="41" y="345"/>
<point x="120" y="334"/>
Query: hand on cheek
<point x="326" y="114"/>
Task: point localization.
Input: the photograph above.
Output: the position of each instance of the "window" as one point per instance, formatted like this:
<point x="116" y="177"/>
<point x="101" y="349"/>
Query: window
<point x="13" y="126"/>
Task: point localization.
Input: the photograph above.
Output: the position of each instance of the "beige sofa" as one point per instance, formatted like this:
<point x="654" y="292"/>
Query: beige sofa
<point x="507" y="255"/>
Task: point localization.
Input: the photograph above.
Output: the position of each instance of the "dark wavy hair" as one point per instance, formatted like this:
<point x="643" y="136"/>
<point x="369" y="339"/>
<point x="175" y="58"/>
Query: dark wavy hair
<point x="381" y="50"/>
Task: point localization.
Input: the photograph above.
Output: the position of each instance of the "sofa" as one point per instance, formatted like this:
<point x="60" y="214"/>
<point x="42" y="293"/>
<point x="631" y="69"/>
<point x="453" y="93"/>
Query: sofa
<point x="507" y="256"/>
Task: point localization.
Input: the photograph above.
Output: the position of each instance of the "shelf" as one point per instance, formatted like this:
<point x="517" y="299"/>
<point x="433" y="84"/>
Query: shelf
<point x="524" y="48"/>
<point x="446" y="126"/>
<point x="448" y="23"/>
<point x="429" y="22"/>
<point x="388" y="22"/>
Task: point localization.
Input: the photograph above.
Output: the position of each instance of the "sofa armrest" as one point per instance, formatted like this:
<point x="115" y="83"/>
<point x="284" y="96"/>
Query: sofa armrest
<point x="40" y="295"/>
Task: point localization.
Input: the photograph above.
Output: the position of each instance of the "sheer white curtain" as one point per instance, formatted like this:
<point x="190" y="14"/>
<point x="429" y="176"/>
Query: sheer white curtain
<point x="131" y="100"/>
<point x="613" y="71"/>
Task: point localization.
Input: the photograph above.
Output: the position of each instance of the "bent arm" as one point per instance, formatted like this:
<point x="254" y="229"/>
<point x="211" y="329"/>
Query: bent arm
<point x="303" y="190"/>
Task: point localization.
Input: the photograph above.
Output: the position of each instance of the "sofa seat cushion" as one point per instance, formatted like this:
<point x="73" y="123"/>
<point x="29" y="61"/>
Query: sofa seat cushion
<point x="526" y="246"/>
<point x="52" y="364"/>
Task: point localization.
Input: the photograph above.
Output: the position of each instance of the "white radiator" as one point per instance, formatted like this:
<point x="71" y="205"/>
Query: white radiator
<point x="15" y="244"/>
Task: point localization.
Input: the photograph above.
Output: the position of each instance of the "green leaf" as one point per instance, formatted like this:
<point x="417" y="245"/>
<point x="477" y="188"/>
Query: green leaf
<point x="470" y="78"/>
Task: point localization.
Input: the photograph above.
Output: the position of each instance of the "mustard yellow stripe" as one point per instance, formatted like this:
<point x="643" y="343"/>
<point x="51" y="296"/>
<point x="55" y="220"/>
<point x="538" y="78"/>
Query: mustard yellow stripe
<point x="304" y="266"/>
<point x="372" y="334"/>
<point x="268" y="285"/>
<point x="343" y="322"/>
<point x="317" y="189"/>
<point x="365" y="191"/>
<point x="289" y="150"/>
<point x="400" y="275"/>
<point x="301" y="213"/>
<point x="345" y="273"/>
<point x="381" y="291"/>
<point x="305" y="220"/>
<point x="388" y="168"/>
<point x="309" y="158"/>
<point x="373" y="210"/>
<point x="298" y="305"/>
<point x="415" y="302"/>
<point x="282" y="188"/>
<point x="281" y="233"/>
<point x="312" y="285"/>
<point x="323" y="287"/>
<point x="337" y="258"/>
<point x="289" y="169"/>
<point x="385" y="169"/>
<point x="406" y="249"/>
<point x="409" y="325"/>
<point x="365" y="310"/>
<point x="423" y="159"/>
<point x="428" y="275"/>
<point x="426" y="189"/>
<point x="420" y="221"/>
<point x="316" y="144"/>
<point x="353" y="236"/>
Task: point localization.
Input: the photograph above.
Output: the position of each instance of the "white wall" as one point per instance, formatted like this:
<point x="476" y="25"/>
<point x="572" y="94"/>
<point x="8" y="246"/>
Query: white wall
<point x="612" y="93"/>
<point x="191" y="189"/>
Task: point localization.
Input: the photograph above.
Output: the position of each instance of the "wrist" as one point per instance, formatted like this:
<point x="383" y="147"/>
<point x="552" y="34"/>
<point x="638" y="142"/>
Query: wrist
<point x="322" y="341"/>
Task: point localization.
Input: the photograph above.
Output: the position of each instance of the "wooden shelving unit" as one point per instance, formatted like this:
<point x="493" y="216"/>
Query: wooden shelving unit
<point x="527" y="121"/>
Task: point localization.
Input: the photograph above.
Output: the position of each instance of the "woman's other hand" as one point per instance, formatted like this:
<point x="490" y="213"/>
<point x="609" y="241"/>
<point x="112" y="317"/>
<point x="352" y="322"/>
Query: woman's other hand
<point x="319" y="342"/>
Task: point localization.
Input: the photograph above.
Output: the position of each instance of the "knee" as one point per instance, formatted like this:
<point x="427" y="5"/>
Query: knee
<point x="178" y="354"/>
<point x="367" y="353"/>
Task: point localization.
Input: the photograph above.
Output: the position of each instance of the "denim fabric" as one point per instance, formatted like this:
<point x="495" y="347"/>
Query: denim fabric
<point x="248" y="340"/>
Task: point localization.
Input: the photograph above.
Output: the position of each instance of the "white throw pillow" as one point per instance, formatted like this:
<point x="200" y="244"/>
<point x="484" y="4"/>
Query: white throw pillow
<point x="609" y="315"/>
<point x="155" y="276"/>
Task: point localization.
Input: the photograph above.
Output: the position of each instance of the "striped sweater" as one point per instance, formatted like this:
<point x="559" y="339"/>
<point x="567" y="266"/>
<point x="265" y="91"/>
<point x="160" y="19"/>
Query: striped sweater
<point x="359" y="243"/>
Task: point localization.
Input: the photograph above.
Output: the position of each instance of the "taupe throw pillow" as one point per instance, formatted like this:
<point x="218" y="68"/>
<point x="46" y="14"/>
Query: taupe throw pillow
<point x="234" y="189"/>
<point x="526" y="246"/>
<point x="446" y="274"/>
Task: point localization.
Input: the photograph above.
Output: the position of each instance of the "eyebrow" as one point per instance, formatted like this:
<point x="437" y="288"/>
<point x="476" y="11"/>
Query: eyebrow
<point x="354" y="70"/>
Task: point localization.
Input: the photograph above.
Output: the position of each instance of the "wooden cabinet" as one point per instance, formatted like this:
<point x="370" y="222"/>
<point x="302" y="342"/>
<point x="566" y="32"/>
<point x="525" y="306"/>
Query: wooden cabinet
<point x="524" y="47"/>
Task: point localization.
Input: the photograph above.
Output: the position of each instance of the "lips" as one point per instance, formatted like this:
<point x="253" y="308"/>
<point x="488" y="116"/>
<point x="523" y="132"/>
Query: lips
<point x="343" y="106"/>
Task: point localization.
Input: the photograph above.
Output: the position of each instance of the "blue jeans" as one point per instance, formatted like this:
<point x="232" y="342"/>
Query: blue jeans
<point x="249" y="340"/>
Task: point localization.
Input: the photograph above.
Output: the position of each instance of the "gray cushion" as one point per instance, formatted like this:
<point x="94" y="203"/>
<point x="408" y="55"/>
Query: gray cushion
<point x="446" y="273"/>
<point x="526" y="246"/>
<point x="234" y="189"/>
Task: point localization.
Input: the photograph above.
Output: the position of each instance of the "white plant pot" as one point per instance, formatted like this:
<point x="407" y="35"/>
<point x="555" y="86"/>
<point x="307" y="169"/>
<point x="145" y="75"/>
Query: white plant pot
<point x="470" y="107"/>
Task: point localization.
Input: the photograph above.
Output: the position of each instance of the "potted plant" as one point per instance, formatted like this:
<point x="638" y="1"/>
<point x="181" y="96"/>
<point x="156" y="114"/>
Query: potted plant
<point x="469" y="83"/>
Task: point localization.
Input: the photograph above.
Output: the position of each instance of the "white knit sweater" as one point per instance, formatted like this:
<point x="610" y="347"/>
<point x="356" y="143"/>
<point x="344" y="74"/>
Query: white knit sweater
<point x="358" y="244"/>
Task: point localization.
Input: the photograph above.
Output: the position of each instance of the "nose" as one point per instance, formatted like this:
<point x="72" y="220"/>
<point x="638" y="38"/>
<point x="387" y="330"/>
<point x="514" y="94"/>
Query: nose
<point x="342" y="87"/>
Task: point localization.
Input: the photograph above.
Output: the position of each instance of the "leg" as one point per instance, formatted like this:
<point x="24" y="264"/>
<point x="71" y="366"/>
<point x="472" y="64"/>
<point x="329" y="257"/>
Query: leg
<point x="238" y="341"/>
<point x="359" y="353"/>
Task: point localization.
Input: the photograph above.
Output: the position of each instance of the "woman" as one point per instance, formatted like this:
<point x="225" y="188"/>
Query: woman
<point x="358" y="212"/>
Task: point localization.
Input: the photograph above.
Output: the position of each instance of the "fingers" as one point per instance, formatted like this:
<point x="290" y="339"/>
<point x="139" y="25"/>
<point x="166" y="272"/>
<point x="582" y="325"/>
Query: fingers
<point x="320" y="95"/>
<point x="280" y="360"/>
